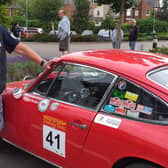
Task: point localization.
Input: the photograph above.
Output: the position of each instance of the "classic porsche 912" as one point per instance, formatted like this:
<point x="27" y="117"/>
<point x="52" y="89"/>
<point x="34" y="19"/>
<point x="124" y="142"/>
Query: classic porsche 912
<point x="93" y="109"/>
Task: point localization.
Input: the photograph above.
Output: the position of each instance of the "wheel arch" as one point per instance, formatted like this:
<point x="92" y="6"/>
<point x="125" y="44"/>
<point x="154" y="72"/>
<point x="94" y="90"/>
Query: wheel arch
<point x="129" y="160"/>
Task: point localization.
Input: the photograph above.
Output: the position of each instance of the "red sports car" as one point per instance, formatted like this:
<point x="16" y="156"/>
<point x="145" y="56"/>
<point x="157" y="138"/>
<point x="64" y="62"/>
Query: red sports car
<point x="93" y="109"/>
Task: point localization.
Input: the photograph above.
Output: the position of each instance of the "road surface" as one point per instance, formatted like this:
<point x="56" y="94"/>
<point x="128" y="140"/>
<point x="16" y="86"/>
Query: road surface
<point x="51" y="49"/>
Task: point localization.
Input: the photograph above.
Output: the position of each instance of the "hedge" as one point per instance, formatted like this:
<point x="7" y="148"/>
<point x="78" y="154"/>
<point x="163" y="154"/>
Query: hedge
<point x="163" y="50"/>
<point x="16" y="71"/>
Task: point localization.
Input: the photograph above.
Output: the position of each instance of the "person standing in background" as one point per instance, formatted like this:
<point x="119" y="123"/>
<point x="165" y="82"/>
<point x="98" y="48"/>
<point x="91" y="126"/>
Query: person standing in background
<point x="117" y="39"/>
<point x="133" y="34"/>
<point x="16" y="31"/>
<point x="64" y="32"/>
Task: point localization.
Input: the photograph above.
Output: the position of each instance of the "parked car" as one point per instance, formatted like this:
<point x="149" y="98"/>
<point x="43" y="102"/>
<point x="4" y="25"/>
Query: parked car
<point x="53" y="32"/>
<point x="73" y="33"/>
<point x="96" y="108"/>
<point x="30" y="31"/>
<point x="87" y="33"/>
<point x="104" y="34"/>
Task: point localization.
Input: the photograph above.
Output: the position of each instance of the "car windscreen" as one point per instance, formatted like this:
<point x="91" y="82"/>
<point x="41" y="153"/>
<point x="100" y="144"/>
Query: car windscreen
<point x="160" y="76"/>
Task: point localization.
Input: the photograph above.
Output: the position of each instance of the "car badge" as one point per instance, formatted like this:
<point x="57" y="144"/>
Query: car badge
<point x="54" y="106"/>
<point x="43" y="105"/>
<point x="17" y="93"/>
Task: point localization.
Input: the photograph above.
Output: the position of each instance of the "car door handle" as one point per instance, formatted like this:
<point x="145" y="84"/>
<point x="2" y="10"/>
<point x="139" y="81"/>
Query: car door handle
<point x="83" y="126"/>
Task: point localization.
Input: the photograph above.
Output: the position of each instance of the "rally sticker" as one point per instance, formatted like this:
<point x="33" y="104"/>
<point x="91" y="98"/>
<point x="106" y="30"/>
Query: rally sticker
<point x="116" y="101"/>
<point x="144" y="109"/>
<point x="54" y="122"/>
<point x="131" y="96"/>
<point x="120" y="110"/>
<point x="108" y="121"/>
<point x="133" y="113"/>
<point x="122" y="85"/>
<point x="54" y="140"/>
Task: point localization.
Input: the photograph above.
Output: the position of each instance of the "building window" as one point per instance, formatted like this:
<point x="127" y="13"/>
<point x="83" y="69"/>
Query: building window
<point x="129" y="12"/>
<point x="94" y="1"/>
<point x="98" y="12"/>
<point x="147" y="12"/>
<point x="136" y="12"/>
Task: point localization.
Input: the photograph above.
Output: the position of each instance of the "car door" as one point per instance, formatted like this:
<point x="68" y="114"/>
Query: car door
<point x="63" y="110"/>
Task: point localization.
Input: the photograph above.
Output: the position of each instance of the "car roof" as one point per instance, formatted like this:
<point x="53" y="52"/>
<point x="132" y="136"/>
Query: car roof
<point x="134" y="64"/>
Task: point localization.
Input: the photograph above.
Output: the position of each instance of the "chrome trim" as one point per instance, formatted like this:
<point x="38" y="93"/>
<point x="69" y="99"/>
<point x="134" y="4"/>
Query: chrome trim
<point x="31" y="153"/>
<point x="106" y="93"/>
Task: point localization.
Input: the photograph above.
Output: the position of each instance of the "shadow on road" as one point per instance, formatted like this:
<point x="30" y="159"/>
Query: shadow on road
<point x="11" y="157"/>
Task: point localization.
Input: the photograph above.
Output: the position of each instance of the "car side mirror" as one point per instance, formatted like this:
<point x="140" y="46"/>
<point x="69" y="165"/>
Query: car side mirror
<point x="28" y="77"/>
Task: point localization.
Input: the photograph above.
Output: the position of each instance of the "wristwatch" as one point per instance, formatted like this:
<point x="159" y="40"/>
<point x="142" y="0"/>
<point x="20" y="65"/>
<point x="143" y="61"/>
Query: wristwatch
<point x="43" y="62"/>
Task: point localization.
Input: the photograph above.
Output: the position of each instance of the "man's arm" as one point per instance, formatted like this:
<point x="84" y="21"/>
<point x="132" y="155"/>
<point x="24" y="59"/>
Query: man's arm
<point x="24" y="50"/>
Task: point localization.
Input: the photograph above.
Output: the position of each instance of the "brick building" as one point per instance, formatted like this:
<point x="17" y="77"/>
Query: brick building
<point x="142" y="9"/>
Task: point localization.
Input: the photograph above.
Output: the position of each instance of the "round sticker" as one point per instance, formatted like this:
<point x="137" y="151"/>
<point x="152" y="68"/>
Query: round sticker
<point x="122" y="85"/>
<point x="43" y="105"/>
<point x="54" y="106"/>
<point x="17" y="93"/>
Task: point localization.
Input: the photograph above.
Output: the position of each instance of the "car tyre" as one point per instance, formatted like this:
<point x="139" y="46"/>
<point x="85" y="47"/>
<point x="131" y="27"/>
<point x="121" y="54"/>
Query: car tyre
<point x="142" y="165"/>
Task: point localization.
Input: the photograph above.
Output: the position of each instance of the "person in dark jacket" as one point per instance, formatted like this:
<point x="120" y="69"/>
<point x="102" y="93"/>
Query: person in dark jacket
<point x="133" y="34"/>
<point x="10" y="44"/>
<point x="16" y="31"/>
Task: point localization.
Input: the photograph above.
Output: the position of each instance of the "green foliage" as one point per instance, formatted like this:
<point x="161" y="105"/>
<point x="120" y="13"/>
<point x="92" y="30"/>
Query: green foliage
<point x="19" y="19"/>
<point x="25" y="68"/>
<point x="45" y="37"/>
<point x="88" y="38"/>
<point x="146" y="25"/>
<point x="163" y="50"/>
<point x="91" y="26"/>
<point x="2" y="2"/>
<point x="108" y="23"/>
<point x="81" y="15"/>
<point x="45" y="10"/>
<point x="3" y="15"/>
<point x="162" y="14"/>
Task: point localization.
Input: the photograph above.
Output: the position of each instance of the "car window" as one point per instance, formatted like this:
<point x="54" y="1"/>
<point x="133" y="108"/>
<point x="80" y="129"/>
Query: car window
<point x="80" y="85"/>
<point x="43" y="86"/>
<point x="130" y="100"/>
<point x="160" y="77"/>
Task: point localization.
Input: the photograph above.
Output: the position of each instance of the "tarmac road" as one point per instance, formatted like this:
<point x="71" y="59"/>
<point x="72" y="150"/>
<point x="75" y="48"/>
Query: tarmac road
<point x="51" y="49"/>
<point x="11" y="157"/>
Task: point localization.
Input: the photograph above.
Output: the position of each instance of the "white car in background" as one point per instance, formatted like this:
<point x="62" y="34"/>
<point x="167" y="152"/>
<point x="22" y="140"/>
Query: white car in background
<point x="104" y="34"/>
<point x="73" y="33"/>
<point x="87" y="33"/>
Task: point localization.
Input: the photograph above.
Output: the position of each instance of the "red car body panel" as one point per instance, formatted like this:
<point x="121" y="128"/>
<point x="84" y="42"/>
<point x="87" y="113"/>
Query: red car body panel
<point x="96" y="145"/>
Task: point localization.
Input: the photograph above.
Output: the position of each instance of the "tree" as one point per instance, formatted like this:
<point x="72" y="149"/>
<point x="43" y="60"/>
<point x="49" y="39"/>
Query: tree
<point x="45" y="10"/>
<point x="2" y="2"/>
<point x="81" y="15"/>
<point x="3" y="11"/>
<point x="108" y="23"/>
<point x="162" y="14"/>
<point x="118" y="6"/>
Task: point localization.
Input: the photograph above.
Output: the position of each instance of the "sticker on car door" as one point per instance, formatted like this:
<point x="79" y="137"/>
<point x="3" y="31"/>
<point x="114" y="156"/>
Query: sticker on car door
<point x="54" y="140"/>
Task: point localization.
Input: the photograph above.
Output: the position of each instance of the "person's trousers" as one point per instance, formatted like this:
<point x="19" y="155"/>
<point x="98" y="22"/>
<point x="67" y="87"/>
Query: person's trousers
<point x="1" y="114"/>
<point x="132" y="45"/>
